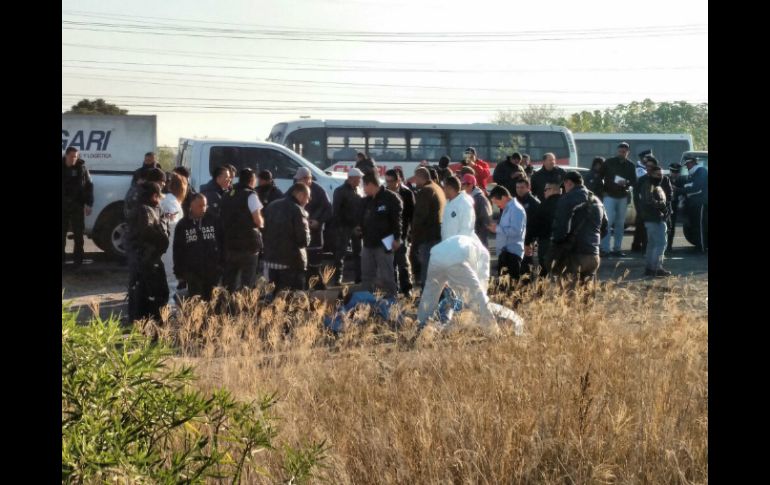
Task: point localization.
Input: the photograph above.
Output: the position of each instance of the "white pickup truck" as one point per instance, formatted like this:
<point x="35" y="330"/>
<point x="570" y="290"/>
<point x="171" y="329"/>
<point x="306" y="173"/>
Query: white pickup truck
<point x="114" y="146"/>
<point x="201" y="157"/>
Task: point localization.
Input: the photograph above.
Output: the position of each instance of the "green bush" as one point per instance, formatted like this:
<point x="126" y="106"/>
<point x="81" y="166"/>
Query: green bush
<point x="129" y="417"/>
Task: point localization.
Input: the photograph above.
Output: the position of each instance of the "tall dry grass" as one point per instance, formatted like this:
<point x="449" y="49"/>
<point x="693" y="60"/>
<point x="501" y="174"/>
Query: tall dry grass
<point x="609" y="388"/>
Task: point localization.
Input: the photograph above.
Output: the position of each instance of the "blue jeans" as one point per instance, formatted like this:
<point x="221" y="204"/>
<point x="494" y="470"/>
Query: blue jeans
<point x="656" y="244"/>
<point x="616" y="218"/>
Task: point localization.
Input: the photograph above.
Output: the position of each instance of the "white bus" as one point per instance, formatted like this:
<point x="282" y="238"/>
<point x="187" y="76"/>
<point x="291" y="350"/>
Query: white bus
<point x="666" y="147"/>
<point x="332" y="145"/>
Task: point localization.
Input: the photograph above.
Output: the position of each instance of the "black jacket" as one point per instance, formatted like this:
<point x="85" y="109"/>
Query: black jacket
<point x="213" y="193"/>
<point x="149" y="237"/>
<point x="594" y="182"/>
<point x="443" y="172"/>
<point x="268" y="193"/>
<point x="622" y="167"/>
<point x="542" y="177"/>
<point x="240" y="232"/>
<point x="286" y="233"/>
<point x="587" y="222"/>
<point x="76" y="185"/>
<point x="381" y="218"/>
<point x="366" y="166"/>
<point x="530" y="204"/>
<point x="347" y="206"/>
<point x="320" y="209"/>
<point x="188" y="200"/>
<point x="198" y="248"/>
<point x="504" y="173"/>
<point x="141" y="170"/>
<point x="542" y="222"/>
<point x="651" y="200"/>
<point x="407" y="202"/>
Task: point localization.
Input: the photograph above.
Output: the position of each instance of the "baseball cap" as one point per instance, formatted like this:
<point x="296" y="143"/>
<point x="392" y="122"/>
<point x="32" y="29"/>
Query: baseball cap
<point x="354" y="172"/>
<point x="302" y="173"/>
<point x="469" y="179"/>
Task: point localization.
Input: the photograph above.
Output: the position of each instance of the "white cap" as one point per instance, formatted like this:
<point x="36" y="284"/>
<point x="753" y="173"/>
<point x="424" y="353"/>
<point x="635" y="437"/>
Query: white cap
<point x="354" y="172"/>
<point x="302" y="172"/>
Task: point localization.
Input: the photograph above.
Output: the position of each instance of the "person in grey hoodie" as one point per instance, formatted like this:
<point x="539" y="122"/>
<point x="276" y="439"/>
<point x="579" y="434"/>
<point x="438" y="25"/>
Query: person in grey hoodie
<point x="482" y="207"/>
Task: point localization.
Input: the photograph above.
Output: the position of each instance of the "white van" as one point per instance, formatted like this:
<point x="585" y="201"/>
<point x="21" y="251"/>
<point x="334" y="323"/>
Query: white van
<point x="201" y="157"/>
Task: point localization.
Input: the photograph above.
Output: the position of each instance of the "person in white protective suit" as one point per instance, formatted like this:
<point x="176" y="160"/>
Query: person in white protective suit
<point x="459" y="216"/>
<point x="462" y="262"/>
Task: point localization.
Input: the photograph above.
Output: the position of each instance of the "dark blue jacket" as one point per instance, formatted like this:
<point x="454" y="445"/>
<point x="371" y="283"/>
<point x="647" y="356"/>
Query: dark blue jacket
<point x="587" y="222"/>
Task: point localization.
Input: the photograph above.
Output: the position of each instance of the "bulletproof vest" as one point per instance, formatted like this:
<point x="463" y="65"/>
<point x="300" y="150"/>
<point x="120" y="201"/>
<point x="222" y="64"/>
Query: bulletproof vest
<point x="240" y="232"/>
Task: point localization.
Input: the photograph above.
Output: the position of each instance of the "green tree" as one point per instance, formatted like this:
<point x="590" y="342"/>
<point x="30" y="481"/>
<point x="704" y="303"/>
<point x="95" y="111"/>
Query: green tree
<point x="644" y="116"/>
<point x="534" y="114"/>
<point x="96" y="107"/>
<point x="166" y="158"/>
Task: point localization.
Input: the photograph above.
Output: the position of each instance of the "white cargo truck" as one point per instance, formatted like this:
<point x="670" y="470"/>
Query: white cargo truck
<point x="112" y="147"/>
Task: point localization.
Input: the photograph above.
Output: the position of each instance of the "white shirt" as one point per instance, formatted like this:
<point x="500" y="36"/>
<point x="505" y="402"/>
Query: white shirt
<point x="641" y="170"/>
<point x="170" y="206"/>
<point x="254" y="203"/>
<point x="459" y="217"/>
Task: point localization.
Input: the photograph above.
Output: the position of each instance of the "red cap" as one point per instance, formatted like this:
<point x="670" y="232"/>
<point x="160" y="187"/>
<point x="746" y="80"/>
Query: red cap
<point x="469" y="179"/>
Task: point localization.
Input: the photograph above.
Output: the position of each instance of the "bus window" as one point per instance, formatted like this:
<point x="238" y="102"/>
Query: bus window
<point x="342" y="145"/>
<point x="387" y="145"/>
<point x="503" y="144"/>
<point x="460" y="140"/>
<point x="309" y="142"/>
<point x="427" y="145"/>
<point x="542" y="143"/>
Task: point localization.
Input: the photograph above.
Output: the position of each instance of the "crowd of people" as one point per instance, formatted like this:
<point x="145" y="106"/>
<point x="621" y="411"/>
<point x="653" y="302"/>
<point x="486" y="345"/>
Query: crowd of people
<point x="430" y="231"/>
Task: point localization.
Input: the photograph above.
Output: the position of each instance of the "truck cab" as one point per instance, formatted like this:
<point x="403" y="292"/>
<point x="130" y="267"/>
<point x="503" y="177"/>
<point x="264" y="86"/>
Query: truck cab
<point x="201" y="157"/>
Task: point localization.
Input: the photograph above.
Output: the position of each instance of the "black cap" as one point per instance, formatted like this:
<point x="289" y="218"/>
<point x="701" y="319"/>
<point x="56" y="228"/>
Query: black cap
<point x="674" y="168"/>
<point x="624" y="145"/>
<point x="470" y="150"/>
<point x="644" y="153"/>
<point x="690" y="160"/>
<point x="574" y="177"/>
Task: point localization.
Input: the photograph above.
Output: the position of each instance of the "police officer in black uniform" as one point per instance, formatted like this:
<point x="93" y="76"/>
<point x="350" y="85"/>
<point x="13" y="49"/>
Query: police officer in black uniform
<point x="677" y="192"/>
<point x="241" y="214"/>
<point x="77" y="198"/>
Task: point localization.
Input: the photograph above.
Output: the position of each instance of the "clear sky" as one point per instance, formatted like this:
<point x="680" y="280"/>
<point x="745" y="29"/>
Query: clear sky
<point x="234" y="68"/>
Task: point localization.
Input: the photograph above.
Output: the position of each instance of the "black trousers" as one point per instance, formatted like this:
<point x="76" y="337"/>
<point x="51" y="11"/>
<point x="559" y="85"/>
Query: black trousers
<point x="671" y="228"/>
<point x="403" y="268"/>
<point x="150" y="291"/>
<point x="287" y="279"/>
<point x="699" y="218"/>
<point x="201" y="286"/>
<point x="73" y="215"/>
<point x="640" y="235"/>
<point x="510" y="262"/>
<point x="343" y="237"/>
<point x="240" y="270"/>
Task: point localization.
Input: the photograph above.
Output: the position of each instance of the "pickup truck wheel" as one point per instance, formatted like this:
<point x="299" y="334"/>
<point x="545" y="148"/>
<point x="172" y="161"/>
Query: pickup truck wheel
<point x="110" y="234"/>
